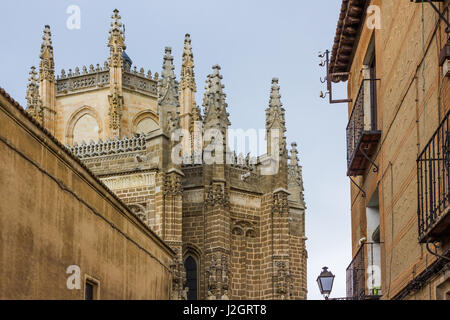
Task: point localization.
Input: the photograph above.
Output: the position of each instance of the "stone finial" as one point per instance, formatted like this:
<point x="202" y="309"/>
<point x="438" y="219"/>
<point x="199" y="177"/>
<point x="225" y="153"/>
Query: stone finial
<point x="275" y="114"/>
<point x="294" y="154"/>
<point x="168" y="103"/>
<point x="187" y="68"/>
<point x="275" y="97"/>
<point x="116" y="41"/>
<point x="34" y="103"/>
<point x="47" y="64"/>
<point x="85" y="70"/>
<point x="46" y="40"/>
<point x="216" y="114"/>
<point x="275" y="119"/>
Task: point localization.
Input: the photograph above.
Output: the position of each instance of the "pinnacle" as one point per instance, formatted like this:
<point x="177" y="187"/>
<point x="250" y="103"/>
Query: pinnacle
<point x="33" y="74"/>
<point x="275" y="96"/>
<point x="294" y="154"/>
<point x="47" y="38"/>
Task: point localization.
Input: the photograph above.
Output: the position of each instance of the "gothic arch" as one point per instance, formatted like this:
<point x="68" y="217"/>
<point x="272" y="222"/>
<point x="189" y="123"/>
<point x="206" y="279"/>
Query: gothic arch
<point x="192" y="264"/>
<point x="76" y="116"/>
<point x="141" y="116"/>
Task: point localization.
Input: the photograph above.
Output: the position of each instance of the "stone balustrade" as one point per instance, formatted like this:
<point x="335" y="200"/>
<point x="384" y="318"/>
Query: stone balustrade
<point x="109" y="147"/>
<point x="98" y="77"/>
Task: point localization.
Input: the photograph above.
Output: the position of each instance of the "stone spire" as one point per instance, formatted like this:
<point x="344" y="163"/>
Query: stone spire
<point x="34" y="103"/>
<point x="189" y="112"/>
<point x="275" y="120"/>
<point x="47" y="84"/>
<point x="187" y="67"/>
<point x="116" y="41"/>
<point x="295" y="177"/>
<point x="47" y="65"/>
<point x="117" y="46"/>
<point x="294" y="155"/>
<point x="168" y="100"/>
<point x="216" y="115"/>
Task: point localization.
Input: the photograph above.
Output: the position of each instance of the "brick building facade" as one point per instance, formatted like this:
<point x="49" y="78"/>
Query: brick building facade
<point x="395" y="56"/>
<point x="238" y="232"/>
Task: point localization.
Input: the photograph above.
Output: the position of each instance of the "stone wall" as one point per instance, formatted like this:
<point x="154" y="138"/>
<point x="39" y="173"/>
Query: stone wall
<point x="54" y="214"/>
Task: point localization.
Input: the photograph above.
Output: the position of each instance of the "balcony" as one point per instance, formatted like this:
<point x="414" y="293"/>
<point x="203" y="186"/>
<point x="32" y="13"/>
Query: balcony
<point x="362" y="133"/>
<point x="433" y="178"/>
<point x="364" y="274"/>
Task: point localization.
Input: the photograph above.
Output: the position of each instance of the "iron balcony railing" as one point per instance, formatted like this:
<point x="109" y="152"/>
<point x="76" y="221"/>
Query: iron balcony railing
<point x="355" y="126"/>
<point x="362" y="133"/>
<point x="364" y="273"/>
<point x="433" y="176"/>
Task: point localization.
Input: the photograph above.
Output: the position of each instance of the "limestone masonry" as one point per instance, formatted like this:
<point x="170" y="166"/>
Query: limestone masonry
<point x="238" y="232"/>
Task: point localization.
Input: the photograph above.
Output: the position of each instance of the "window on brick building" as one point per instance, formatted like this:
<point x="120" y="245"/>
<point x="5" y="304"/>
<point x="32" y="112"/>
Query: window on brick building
<point x="91" y="289"/>
<point x="191" y="277"/>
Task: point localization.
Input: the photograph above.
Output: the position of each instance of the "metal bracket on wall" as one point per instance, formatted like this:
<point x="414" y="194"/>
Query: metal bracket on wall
<point x="375" y="170"/>
<point x="360" y="189"/>
<point x="328" y="79"/>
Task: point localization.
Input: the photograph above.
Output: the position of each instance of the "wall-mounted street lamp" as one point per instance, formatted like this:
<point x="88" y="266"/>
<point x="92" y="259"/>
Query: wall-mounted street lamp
<point x="325" y="281"/>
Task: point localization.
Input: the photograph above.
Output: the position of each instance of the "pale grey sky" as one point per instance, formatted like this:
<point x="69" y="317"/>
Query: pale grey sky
<point x="253" y="41"/>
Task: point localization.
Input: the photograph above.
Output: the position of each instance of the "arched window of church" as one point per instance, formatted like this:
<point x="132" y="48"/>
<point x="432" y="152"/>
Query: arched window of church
<point x="86" y="129"/>
<point x="191" y="278"/>
<point x="146" y="125"/>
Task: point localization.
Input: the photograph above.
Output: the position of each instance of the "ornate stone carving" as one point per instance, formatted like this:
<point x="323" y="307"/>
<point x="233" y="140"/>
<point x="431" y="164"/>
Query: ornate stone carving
<point x="34" y="102"/>
<point x="282" y="280"/>
<point x="178" y="279"/>
<point x="244" y="228"/>
<point x="187" y="68"/>
<point x="116" y="42"/>
<point x="109" y="147"/>
<point x="275" y="120"/>
<point x="216" y="115"/>
<point x="172" y="185"/>
<point x="218" y="275"/>
<point x="140" y="211"/>
<point x="130" y="181"/>
<point x="280" y="202"/>
<point x="217" y="196"/>
<point x="168" y="96"/>
<point x="47" y="65"/>
<point x="115" y="109"/>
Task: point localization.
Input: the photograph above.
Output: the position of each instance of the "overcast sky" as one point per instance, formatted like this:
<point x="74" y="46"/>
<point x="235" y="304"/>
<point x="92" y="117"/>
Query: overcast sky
<point x="253" y="41"/>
